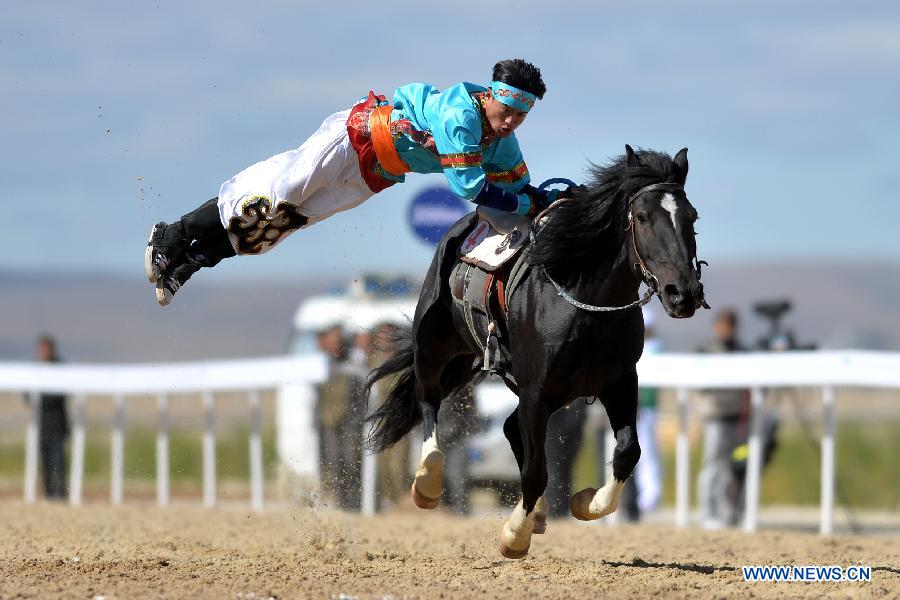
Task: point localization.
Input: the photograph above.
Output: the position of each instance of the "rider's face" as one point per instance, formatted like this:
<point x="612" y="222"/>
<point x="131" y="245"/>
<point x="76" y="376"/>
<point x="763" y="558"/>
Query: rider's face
<point x="502" y="118"/>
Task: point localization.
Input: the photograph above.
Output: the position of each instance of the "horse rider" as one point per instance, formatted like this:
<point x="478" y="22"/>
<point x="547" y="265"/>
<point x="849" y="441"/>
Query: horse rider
<point x="466" y="132"/>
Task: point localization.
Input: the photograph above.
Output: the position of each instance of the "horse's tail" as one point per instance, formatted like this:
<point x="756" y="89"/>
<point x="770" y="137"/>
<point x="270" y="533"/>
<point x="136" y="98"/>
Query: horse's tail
<point x="400" y="411"/>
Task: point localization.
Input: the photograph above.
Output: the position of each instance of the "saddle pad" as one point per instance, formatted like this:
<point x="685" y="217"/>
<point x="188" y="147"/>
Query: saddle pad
<point x="470" y="286"/>
<point x="495" y="249"/>
<point x="481" y="231"/>
<point x="489" y="249"/>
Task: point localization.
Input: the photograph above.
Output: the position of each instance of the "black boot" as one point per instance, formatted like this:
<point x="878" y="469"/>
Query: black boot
<point x="169" y="240"/>
<point x="165" y="245"/>
<point x="202" y="222"/>
<point x="207" y="252"/>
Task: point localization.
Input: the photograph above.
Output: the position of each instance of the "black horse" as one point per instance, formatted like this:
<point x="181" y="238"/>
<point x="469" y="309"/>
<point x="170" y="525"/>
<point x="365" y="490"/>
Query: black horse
<point x="631" y="224"/>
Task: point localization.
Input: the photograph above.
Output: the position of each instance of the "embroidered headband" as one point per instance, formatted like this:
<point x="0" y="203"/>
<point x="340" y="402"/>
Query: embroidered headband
<point x="512" y="96"/>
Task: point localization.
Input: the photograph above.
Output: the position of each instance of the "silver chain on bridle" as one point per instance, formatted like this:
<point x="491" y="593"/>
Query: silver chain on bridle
<point x="648" y="278"/>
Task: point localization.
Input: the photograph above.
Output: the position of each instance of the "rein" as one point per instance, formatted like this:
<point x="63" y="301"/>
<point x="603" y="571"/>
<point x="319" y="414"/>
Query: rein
<point x="647" y="277"/>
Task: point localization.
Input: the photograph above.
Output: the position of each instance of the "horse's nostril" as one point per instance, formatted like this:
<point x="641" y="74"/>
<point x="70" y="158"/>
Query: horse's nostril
<point x="673" y="293"/>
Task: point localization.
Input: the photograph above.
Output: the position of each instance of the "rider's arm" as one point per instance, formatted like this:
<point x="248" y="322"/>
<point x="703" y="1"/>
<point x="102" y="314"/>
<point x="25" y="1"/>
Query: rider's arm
<point x="461" y="158"/>
<point x="494" y="196"/>
<point x="505" y="167"/>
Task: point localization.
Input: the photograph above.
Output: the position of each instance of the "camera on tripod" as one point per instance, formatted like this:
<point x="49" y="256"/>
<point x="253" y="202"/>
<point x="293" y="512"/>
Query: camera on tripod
<point x="778" y="338"/>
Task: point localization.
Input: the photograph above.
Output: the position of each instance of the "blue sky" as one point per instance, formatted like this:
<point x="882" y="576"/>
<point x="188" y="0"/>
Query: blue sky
<point x="116" y="115"/>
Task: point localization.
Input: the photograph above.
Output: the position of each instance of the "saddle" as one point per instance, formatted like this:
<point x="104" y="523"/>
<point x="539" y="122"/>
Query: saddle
<point x="491" y="263"/>
<point x="497" y="237"/>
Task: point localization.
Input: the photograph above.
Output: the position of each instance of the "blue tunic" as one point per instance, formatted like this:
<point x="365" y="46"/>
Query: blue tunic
<point x="447" y="131"/>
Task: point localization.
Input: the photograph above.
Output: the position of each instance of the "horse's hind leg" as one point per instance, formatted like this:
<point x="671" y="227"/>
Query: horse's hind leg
<point x="434" y="375"/>
<point x="620" y="401"/>
<point x="429" y="482"/>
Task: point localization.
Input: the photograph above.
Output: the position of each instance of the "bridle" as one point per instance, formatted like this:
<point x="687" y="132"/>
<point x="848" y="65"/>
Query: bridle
<point x="646" y="275"/>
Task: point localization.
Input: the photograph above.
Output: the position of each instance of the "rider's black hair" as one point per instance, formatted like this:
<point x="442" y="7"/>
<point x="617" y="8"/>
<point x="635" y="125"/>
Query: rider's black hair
<point x="521" y="74"/>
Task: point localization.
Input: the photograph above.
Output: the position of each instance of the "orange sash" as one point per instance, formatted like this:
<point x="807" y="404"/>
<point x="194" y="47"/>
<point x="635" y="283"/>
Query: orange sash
<point x="380" y="128"/>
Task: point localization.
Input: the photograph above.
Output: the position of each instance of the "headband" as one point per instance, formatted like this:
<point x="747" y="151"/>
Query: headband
<point x="512" y="96"/>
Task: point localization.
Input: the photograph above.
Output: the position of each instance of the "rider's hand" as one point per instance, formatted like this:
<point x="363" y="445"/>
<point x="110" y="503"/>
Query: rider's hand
<point x="540" y="200"/>
<point x="570" y="191"/>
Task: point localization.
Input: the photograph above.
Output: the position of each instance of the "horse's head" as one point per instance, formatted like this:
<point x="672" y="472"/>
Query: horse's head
<point x="663" y="247"/>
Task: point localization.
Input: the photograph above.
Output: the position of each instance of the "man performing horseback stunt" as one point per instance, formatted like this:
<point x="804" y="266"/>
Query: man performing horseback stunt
<point x="466" y="132"/>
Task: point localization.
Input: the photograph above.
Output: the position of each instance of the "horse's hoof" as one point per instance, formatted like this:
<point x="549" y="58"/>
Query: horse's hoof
<point x="511" y="553"/>
<point x="540" y="516"/>
<point x="580" y="505"/>
<point x="540" y="525"/>
<point x="423" y="501"/>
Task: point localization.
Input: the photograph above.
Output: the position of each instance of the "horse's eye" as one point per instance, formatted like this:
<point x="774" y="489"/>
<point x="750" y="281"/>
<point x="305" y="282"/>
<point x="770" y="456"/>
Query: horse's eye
<point x="642" y="218"/>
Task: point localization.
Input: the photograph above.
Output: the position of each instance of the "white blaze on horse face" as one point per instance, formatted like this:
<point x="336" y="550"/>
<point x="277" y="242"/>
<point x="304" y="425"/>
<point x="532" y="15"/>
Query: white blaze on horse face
<point x="668" y="203"/>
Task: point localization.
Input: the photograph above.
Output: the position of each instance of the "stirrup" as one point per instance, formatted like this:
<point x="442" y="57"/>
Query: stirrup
<point x="490" y="348"/>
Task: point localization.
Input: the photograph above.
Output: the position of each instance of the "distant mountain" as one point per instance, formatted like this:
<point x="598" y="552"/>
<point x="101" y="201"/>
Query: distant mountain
<point x="834" y="306"/>
<point x="110" y="318"/>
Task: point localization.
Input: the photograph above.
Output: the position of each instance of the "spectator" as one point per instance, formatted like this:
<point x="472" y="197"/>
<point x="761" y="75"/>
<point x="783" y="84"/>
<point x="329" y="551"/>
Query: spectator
<point x="717" y="487"/>
<point x="54" y="430"/>
<point x="393" y="463"/>
<point x="360" y="354"/>
<point x="340" y="411"/>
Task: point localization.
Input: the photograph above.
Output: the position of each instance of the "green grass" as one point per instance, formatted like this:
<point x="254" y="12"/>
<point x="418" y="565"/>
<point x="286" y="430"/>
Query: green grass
<point x="868" y="472"/>
<point x="185" y="455"/>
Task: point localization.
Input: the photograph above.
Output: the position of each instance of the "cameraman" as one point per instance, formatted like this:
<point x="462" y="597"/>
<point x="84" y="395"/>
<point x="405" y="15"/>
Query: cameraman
<point x="717" y="487"/>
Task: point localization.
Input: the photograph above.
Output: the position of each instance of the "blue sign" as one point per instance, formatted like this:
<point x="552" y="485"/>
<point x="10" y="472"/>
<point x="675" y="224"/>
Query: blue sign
<point x="432" y="212"/>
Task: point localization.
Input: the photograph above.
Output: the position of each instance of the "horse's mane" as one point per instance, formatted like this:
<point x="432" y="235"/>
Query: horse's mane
<point x="594" y="220"/>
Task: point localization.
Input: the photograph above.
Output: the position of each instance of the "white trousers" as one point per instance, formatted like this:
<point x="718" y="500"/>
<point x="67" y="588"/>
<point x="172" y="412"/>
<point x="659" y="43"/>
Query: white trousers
<point x="648" y="472"/>
<point x="260" y="205"/>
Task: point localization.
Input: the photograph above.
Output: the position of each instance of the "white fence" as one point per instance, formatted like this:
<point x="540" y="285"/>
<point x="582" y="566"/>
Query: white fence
<point x="119" y="381"/>
<point x="824" y="370"/>
<point x="683" y="372"/>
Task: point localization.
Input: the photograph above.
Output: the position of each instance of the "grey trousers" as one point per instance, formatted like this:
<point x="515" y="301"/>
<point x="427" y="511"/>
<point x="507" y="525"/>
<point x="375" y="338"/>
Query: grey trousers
<point x="716" y="485"/>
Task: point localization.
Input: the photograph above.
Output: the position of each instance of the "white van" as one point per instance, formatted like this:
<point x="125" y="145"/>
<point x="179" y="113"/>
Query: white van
<point x="363" y="307"/>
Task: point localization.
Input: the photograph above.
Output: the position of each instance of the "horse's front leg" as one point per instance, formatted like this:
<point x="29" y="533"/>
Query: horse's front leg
<point x="514" y="435"/>
<point x="620" y="401"/>
<point x="529" y="515"/>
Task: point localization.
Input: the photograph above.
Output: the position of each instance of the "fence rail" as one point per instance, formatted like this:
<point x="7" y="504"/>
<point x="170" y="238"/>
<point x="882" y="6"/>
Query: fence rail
<point x="682" y="372"/>
<point x="249" y="376"/>
<point x="760" y="371"/>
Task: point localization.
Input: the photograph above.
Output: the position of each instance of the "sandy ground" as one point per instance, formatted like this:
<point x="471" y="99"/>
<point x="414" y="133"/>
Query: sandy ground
<point x="56" y="551"/>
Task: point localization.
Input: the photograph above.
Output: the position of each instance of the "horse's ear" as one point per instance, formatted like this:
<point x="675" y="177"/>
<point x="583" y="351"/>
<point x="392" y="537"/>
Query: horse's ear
<point x="631" y="159"/>
<point x="680" y="163"/>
